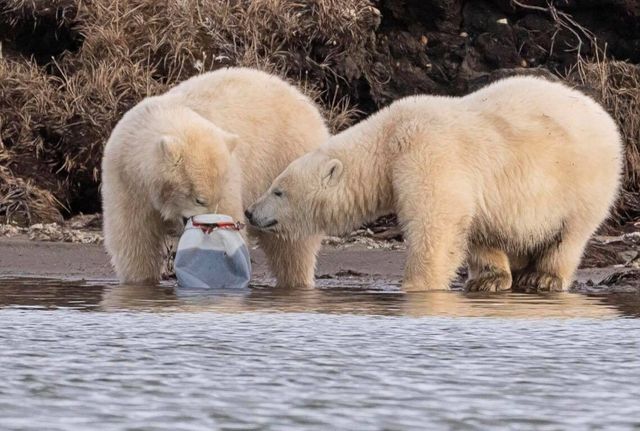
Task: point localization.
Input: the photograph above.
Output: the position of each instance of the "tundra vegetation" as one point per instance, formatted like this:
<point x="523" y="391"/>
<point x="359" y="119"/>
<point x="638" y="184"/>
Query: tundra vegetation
<point x="69" y="69"/>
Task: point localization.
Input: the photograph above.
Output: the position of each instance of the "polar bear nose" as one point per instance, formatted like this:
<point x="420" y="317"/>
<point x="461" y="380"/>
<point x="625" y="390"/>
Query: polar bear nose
<point x="249" y="215"/>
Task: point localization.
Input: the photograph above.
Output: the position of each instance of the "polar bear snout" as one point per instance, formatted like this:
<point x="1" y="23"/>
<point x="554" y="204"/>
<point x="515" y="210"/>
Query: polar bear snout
<point x="249" y="215"/>
<point x="259" y="220"/>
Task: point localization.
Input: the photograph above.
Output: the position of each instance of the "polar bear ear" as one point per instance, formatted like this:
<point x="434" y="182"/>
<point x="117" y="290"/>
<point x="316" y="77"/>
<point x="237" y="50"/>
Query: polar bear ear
<point x="332" y="173"/>
<point x="171" y="149"/>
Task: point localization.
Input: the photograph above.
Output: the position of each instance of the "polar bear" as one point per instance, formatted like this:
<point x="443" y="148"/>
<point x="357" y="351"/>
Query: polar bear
<point x="516" y="177"/>
<point x="213" y="143"/>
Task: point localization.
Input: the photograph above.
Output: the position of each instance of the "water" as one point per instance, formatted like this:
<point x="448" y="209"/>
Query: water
<point x="92" y="356"/>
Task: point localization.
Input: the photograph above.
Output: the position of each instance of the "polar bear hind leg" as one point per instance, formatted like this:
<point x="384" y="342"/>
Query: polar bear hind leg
<point x="553" y="268"/>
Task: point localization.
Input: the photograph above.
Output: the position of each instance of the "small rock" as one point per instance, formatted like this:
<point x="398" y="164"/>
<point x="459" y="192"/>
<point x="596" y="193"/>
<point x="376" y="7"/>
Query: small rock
<point x="607" y="239"/>
<point x="85" y="221"/>
<point x="627" y="256"/>
<point x="333" y="240"/>
<point x="10" y="230"/>
<point x="54" y="232"/>
<point x="631" y="238"/>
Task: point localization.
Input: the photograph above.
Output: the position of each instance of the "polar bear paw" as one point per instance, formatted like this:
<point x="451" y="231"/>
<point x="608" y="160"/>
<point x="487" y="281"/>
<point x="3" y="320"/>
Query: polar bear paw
<point x="534" y="282"/>
<point x="490" y="281"/>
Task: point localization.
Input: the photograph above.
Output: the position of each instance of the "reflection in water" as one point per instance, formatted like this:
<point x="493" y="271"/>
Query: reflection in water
<point x="44" y="293"/>
<point x="97" y="356"/>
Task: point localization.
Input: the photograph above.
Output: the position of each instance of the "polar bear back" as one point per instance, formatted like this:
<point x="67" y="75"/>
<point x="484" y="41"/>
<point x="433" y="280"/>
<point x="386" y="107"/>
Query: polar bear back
<point x="538" y="154"/>
<point x="532" y="155"/>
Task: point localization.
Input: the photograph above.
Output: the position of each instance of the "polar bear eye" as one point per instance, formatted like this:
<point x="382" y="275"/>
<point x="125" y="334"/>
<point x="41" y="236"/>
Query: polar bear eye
<point x="201" y="202"/>
<point x="278" y="193"/>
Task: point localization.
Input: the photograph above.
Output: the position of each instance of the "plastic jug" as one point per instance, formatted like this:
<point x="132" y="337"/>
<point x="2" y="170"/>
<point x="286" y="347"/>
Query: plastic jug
<point x="212" y="254"/>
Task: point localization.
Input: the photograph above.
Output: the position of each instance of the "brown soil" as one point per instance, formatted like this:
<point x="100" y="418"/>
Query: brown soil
<point x="22" y="257"/>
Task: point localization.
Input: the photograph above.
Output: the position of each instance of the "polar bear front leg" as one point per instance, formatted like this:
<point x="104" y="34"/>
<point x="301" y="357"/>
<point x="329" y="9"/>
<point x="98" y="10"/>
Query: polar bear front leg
<point x="489" y="270"/>
<point x="435" y="252"/>
<point x="293" y="262"/>
<point x="134" y="237"/>
<point x="435" y="219"/>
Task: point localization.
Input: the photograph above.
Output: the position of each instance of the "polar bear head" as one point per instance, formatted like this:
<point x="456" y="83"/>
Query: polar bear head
<point x="194" y="165"/>
<point x="303" y="200"/>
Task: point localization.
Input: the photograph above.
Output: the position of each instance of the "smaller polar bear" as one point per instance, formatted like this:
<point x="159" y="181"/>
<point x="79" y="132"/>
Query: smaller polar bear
<point x="515" y="177"/>
<point x="212" y="144"/>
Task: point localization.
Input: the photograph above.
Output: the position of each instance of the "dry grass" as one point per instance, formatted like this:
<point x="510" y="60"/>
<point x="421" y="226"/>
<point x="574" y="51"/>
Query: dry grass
<point x="55" y="125"/>
<point x="56" y="116"/>
<point x="302" y="40"/>
<point x="17" y="11"/>
<point x="56" y="113"/>
<point x="24" y="203"/>
<point x="616" y="85"/>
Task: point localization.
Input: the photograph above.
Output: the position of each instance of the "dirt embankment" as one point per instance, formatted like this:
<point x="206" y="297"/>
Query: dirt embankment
<point x="70" y="68"/>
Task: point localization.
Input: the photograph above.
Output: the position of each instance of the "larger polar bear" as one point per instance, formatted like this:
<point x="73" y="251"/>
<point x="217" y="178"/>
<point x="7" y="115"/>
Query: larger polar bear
<point x="516" y="176"/>
<point x="213" y="143"/>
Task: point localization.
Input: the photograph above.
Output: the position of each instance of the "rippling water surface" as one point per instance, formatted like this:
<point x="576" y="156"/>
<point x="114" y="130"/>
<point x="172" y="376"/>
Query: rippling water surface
<point x="92" y="356"/>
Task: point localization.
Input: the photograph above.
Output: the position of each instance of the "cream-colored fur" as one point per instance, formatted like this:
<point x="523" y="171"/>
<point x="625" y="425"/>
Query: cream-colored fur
<point x="221" y="138"/>
<point x="516" y="177"/>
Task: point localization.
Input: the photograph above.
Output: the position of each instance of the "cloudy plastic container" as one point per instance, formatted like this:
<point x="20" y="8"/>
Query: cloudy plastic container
<point x="212" y="254"/>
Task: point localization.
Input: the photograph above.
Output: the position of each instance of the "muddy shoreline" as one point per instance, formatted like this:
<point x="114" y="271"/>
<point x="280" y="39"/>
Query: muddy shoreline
<point x="352" y="264"/>
<point x="22" y="257"/>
